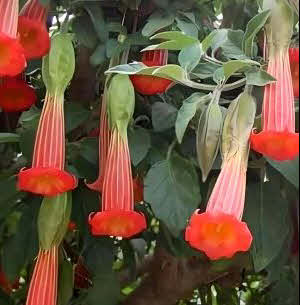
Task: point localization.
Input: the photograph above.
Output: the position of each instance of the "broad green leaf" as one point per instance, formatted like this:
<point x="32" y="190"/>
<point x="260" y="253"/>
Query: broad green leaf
<point x="172" y="189"/>
<point x="187" y="112"/>
<point x="187" y="28"/>
<point x="205" y="70"/>
<point x="289" y="169"/>
<point x="163" y="116"/>
<point x="53" y="220"/>
<point x="209" y="135"/>
<point x="190" y="56"/>
<point x="159" y="20"/>
<point x="172" y="72"/>
<point x="99" y="55"/>
<point x="269" y="229"/>
<point x="253" y="28"/>
<point x="139" y="141"/>
<point x="75" y="116"/>
<point x="259" y="77"/>
<point x="65" y="283"/>
<point x="9" y="138"/>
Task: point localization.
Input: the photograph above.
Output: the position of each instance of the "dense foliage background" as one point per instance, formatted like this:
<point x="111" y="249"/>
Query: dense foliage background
<point x="157" y="267"/>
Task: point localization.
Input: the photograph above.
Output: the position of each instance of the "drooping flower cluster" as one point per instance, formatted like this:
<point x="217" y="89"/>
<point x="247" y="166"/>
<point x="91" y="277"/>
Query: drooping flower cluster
<point x="219" y="232"/>
<point x="47" y="175"/>
<point x="151" y="85"/>
<point x="118" y="217"/>
<point x="278" y="139"/>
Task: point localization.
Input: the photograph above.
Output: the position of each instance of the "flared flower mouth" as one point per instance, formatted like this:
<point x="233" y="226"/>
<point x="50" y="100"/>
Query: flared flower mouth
<point x="150" y="85"/>
<point x="279" y="146"/>
<point x="16" y="95"/>
<point x="12" y="58"/>
<point x="34" y="37"/>
<point x="117" y="223"/>
<point x="46" y="181"/>
<point x="219" y="235"/>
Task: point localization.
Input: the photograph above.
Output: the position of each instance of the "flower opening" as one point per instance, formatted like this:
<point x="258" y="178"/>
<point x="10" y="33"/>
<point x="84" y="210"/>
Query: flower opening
<point x="151" y="85"/>
<point x="16" y="95"/>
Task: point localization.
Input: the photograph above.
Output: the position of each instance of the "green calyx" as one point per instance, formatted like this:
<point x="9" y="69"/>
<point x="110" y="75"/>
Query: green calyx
<point x="121" y="103"/>
<point x="279" y="28"/>
<point x="238" y="125"/>
<point x="59" y="65"/>
<point x="53" y="220"/>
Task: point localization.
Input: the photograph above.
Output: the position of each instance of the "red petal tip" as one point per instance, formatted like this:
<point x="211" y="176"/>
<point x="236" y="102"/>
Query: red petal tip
<point x="46" y="181"/>
<point x="117" y="223"/>
<point x="279" y="146"/>
<point x="218" y="235"/>
<point x="34" y="37"/>
<point x="16" y="95"/>
<point x="12" y="59"/>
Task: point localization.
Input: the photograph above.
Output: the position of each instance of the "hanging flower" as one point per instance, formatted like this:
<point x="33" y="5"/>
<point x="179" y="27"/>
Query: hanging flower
<point x="138" y="189"/>
<point x="294" y="62"/>
<point x="47" y="176"/>
<point x="43" y="285"/>
<point x="151" y="85"/>
<point x="16" y="95"/>
<point x="118" y="217"/>
<point x="219" y="232"/>
<point x="32" y="30"/>
<point x="12" y="59"/>
<point x="278" y="139"/>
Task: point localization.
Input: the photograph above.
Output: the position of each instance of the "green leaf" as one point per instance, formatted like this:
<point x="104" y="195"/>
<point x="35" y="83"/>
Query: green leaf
<point x="190" y="56"/>
<point x="9" y="138"/>
<point x="75" y="116"/>
<point x="253" y="28"/>
<point x="187" y="112"/>
<point x="289" y="169"/>
<point x="163" y="116"/>
<point x="187" y="28"/>
<point x="139" y="141"/>
<point x="53" y="220"/>
<point x="157" y="21"/>
<point x="99" y="55"/>
<point x="22" y="247"/>
<point x="172" y="189"/>
<point x="65" y="282"/>
<point x="259" y="77"/>
<point x="269" y="229"/>
<point x="209" y="135"/>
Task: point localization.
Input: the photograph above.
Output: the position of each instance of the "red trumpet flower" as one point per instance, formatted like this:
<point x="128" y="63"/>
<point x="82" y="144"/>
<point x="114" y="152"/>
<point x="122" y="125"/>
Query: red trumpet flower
<point x="138" y="189"/>
<point x="43" y="286"/>
<point x="219" y="232"/>
<point x="151" y="85"/>
<point x="278" y="139"/>
<point x="47" y="176"/>
<point x="16" y="95"/>
<point x="32" y="30"/>
<point x="118" y="217"/>
<point x="12" y="59"/>
<point x="294" y="62"/>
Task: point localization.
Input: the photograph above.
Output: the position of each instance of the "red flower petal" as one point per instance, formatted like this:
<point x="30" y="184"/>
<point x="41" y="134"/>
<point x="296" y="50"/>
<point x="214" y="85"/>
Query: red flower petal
<point x="218" y="235"/>
<point x="117" y="223"/>
<point x="46" y="181"/>
<point x="16" y="95"/>
<point x="294" y="60"/>
<point x="34" y="37"/>
<point x="155" y="58"/>
<point x="279" y="146"/>
<point x="150" y="85"/>
<point x="12" y="59"/>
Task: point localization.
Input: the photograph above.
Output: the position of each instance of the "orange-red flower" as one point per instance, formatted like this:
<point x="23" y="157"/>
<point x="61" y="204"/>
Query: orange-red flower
<point x="294" y="61"/>
<point x="151" y="85"/>
<point x="279" y="146"/>
<point x="16" y="95"/>
<point x="44" y="282"/>
<point x="138" y="189"/>
<point x="219" y="235"/>
<point x="32" y="30"/>
<point x="47" y="176"/>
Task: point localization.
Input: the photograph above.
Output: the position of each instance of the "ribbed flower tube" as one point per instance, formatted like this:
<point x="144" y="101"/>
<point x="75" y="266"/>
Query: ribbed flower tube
<point x="278" y="139"/>
<point x="294" y="61"/>
<point x="12" y="59"/>
<point x="44" y="282"/>
<point x="219" y="232"/>
<point x="151" y="85"/>
<point x="117" y="217"/>
<point x="47" y="176"/>
<point x="32" y="29"/>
